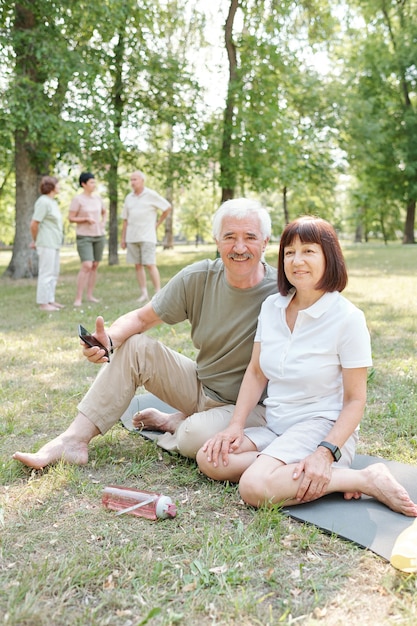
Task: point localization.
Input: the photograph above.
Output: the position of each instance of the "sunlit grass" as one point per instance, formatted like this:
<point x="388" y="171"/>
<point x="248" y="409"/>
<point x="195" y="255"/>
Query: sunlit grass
<point x="67" y="560"/>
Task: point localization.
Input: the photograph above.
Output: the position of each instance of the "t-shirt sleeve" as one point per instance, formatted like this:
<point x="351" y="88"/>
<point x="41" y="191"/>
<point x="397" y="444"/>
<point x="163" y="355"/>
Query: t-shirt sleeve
<point x="75" y="205"/>
<point x="40" y="210"/>
<point x="159" y="202"/>
<point x="262" y="313"/>
<point x="170" y="303"/>
<point x="355" y="341"/>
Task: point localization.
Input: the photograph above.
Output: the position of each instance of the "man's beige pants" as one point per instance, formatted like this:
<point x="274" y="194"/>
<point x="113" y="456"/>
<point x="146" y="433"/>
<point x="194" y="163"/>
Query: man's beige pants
<point x="172" y="377"/>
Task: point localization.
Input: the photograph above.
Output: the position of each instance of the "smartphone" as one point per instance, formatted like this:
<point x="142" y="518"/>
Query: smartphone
<point x="90" y="340"/>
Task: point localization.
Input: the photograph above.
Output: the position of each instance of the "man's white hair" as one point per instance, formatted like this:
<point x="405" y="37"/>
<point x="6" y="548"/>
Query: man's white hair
<point x="141" y="174"/>
<point x="241" y="208"/>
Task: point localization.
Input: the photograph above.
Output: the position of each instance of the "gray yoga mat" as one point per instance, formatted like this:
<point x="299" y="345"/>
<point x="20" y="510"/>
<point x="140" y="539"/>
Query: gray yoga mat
<point x="366" y="522"/>
<point x="144" y="401"/>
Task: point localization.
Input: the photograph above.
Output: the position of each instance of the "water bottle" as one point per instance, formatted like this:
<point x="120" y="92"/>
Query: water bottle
<point x="404" y="552"/>
<point x="139" y="503"/>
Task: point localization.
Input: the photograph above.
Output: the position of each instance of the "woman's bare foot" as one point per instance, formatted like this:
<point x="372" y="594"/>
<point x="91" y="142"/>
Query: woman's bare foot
<point x="77" y="303"/>
<point x="153" y="419"/>
<point x="48" y="307"/>
<point x="59" y="449"/>
<point x="381" y="484"/>
<point x="92" y="299"/>
<point x="58" y="305"/>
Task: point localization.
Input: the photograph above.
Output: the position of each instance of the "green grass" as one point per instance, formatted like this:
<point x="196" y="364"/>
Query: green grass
<point x="65" y="560"/>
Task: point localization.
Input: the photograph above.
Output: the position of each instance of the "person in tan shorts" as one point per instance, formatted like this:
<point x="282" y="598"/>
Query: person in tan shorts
<point x="141" y="219"/>
<point x="221" y="298"/>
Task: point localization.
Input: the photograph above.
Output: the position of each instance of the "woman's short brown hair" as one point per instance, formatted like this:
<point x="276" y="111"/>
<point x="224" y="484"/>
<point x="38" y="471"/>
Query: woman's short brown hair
<point x="314" y="230"/>
<point x="48" y="184"/>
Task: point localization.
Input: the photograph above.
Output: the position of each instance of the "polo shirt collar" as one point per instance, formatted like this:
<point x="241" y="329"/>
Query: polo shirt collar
<point x="317" y="309"/>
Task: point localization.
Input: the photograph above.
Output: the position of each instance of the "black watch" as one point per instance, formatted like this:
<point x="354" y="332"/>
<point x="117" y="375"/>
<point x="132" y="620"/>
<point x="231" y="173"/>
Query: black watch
<point x="333" y="449"/>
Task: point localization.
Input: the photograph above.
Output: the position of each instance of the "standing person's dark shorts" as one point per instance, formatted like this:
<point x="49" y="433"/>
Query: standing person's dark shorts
<point x="90" y="248"/>
<point x="87" y="211"/>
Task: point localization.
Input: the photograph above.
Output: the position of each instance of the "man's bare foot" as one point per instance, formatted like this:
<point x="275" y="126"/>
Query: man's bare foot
<point x="153" y="419"/>
<point x="352" y="495"/>
<point x="381" y="484"/>
<point x="59" y="449"/>
<point x="58" y="305"/>
<point x="48" y="307"/>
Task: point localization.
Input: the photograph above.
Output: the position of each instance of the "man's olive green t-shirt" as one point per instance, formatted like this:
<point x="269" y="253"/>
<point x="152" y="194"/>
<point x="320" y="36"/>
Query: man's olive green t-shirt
<point x="223" y="321"/>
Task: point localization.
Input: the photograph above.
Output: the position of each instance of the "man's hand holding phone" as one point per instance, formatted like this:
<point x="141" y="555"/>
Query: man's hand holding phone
<point x="95" y="346"/>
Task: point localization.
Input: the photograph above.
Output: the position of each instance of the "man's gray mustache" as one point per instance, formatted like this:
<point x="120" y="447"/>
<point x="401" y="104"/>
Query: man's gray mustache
<point x="233" y="255"/>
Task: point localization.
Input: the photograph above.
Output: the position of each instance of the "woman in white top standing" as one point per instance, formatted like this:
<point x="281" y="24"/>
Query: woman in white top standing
<point x="88" y="213"/>
<point x="312" y="350"/>
<point x="46" y="231"/>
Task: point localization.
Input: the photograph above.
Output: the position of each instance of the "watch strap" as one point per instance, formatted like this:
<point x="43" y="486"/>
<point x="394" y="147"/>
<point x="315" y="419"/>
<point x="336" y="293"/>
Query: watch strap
<point x="333" y="449"/>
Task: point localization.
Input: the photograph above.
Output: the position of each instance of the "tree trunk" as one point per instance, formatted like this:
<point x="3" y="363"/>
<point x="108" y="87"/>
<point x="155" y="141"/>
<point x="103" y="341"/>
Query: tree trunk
<point x="409" y="222"/>
<point x="285" y="205"/>
<point x="383" y="229"/>
<point x="408" y="107"/>
<point x="227" y="170"/>
<point x="113" y="221"/>
<point x="23" y="263"/>
<point x="168" y="242"/>
<point x="118" y="106"/>
<point x="32" y="157"/>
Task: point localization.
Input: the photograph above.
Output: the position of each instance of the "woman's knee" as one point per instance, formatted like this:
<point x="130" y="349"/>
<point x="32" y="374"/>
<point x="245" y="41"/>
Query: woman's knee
<point x="202" y="462"/>
<point x="251" y="488"/>
<point x="215" y="473"/>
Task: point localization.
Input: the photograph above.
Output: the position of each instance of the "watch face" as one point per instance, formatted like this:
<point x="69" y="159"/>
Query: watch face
<point x="333" y="449"/>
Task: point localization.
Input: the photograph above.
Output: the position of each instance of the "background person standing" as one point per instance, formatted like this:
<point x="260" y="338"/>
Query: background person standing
<point x="140" y="222"/>
<point x="46" y="231"/>
<point x="88" y="213"/>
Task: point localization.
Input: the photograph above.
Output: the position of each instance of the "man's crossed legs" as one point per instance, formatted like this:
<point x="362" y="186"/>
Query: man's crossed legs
<point x="142" y="361"/>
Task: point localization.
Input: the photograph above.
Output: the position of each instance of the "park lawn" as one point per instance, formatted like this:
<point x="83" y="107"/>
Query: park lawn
<point x="65" y="560"/>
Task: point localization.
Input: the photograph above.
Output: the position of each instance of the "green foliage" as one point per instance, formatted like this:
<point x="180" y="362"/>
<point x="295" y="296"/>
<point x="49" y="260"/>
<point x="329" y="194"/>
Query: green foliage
<point x="115" y="85"/>
<point x="379" y="111"/>
<point x="194" y="211"/>
<point x="46" y="40"/>
<point x="282" y="136"/>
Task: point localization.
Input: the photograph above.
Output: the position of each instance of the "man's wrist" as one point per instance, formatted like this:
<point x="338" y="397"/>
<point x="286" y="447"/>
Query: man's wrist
<point x="111" y="348"/>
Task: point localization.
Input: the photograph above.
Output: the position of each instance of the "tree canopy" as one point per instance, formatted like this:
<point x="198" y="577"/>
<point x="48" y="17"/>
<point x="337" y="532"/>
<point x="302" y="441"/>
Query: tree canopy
<point x="318" y="96"/>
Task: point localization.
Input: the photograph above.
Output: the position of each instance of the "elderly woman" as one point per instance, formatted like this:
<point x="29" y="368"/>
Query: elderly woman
<point x="46" y="231"/>
<point x="312" y="350"/>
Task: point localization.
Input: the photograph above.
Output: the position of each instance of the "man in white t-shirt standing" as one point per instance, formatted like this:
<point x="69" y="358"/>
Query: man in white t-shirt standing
<point x="140" y="222"/>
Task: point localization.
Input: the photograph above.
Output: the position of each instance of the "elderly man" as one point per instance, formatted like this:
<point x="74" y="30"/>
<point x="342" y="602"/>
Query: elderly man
<point x="140" y="222"/>
<point x="221" y="299"/>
